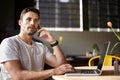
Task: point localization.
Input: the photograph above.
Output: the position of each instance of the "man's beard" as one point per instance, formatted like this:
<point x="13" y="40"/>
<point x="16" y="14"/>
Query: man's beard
<point x="32" y="33"/>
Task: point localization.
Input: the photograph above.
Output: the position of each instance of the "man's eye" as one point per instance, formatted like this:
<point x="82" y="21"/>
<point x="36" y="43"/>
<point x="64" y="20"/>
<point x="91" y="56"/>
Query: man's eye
<point x="36" y="20"/>
<point x="28" y="19"/>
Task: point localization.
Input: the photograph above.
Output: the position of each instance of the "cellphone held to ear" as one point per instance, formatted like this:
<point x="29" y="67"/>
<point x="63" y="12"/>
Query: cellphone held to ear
<point x="38" y="32"/>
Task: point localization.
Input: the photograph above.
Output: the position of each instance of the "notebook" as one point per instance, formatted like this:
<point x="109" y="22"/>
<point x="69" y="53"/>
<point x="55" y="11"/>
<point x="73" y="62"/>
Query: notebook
<point x="97" y="71"/>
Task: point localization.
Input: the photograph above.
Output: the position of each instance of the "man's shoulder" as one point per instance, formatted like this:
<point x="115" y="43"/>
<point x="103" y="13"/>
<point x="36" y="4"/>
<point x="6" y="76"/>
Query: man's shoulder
<point x="9" y="39"/>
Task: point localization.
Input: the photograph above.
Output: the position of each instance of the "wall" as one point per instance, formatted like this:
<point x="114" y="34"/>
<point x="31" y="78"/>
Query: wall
<point x="7" y="16"/>
<point x="77" y="43"/>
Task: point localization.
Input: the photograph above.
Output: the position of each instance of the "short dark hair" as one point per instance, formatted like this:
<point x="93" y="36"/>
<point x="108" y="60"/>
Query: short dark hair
<point x="29" y="9"/>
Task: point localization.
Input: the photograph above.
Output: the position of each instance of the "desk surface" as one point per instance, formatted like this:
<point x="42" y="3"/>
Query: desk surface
<point x="107" y="74"/>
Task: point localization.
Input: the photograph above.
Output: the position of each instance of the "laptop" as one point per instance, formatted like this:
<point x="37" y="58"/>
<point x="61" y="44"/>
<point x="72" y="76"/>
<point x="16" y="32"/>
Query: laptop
<point x="91" y="72"/>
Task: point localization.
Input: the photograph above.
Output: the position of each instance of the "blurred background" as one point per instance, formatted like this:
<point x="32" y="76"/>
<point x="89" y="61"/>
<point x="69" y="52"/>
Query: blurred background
<point x="80" y="23"/>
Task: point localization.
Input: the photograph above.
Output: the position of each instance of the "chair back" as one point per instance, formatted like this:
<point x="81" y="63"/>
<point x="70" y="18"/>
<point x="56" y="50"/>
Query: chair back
<point x="108" y="60"/>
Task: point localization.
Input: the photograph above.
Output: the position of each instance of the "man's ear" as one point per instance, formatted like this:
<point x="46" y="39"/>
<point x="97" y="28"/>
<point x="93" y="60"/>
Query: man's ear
<point x="19" y="22"/>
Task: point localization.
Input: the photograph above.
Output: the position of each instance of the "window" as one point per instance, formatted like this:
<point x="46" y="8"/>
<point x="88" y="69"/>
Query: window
<point x="65" y="15"/>
<point x="79" y="15"/>
<point x="102" y="11"/>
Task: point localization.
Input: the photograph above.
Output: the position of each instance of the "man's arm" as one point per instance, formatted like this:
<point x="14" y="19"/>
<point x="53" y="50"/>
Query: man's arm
<point x="58" y="58"/>
<point x="18" y="73"/>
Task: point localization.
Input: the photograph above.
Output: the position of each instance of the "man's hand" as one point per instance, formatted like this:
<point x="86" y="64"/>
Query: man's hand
<point x="46" y="35"/>
<point x="63" y="69"/>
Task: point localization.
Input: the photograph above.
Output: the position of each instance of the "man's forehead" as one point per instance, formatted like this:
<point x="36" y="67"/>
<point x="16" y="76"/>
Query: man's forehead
<point x="31" y="14"/>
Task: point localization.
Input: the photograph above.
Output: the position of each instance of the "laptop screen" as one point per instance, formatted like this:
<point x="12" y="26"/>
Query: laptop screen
<point x="103" y="54"/>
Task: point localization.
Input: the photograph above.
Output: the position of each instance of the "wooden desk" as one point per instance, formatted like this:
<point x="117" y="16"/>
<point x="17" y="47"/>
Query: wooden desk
<point x="107" y="74"/>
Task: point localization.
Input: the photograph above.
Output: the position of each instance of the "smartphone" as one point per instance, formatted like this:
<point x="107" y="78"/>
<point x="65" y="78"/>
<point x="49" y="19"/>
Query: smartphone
<point x="38" y="32"/>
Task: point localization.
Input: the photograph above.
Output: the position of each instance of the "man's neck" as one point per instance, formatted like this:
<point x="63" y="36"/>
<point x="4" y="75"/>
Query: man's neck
<point x="26" y="38"/>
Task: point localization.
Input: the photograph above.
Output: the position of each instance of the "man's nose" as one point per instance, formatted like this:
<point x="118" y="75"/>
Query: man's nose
<point x="32" y="22"/>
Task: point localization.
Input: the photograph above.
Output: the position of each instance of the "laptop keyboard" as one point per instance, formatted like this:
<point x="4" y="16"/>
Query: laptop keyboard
<point x="86" y="71"/>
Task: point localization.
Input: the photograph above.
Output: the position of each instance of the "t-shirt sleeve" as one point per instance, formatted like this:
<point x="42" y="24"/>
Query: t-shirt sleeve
<point x="8" y="50"/>
<point x="48" y="53"/>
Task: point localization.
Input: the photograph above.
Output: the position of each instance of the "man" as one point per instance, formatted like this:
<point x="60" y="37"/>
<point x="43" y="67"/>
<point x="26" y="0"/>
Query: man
<point x="22" y="58"/>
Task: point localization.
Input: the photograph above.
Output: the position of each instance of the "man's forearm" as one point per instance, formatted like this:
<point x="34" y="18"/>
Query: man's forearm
<point x="32" y="75"/>
<point x="59" y="55"/>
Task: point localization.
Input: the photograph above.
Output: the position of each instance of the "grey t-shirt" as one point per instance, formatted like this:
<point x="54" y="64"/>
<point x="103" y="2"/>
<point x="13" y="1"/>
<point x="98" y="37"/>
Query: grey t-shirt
<point x="32" y="57"/>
